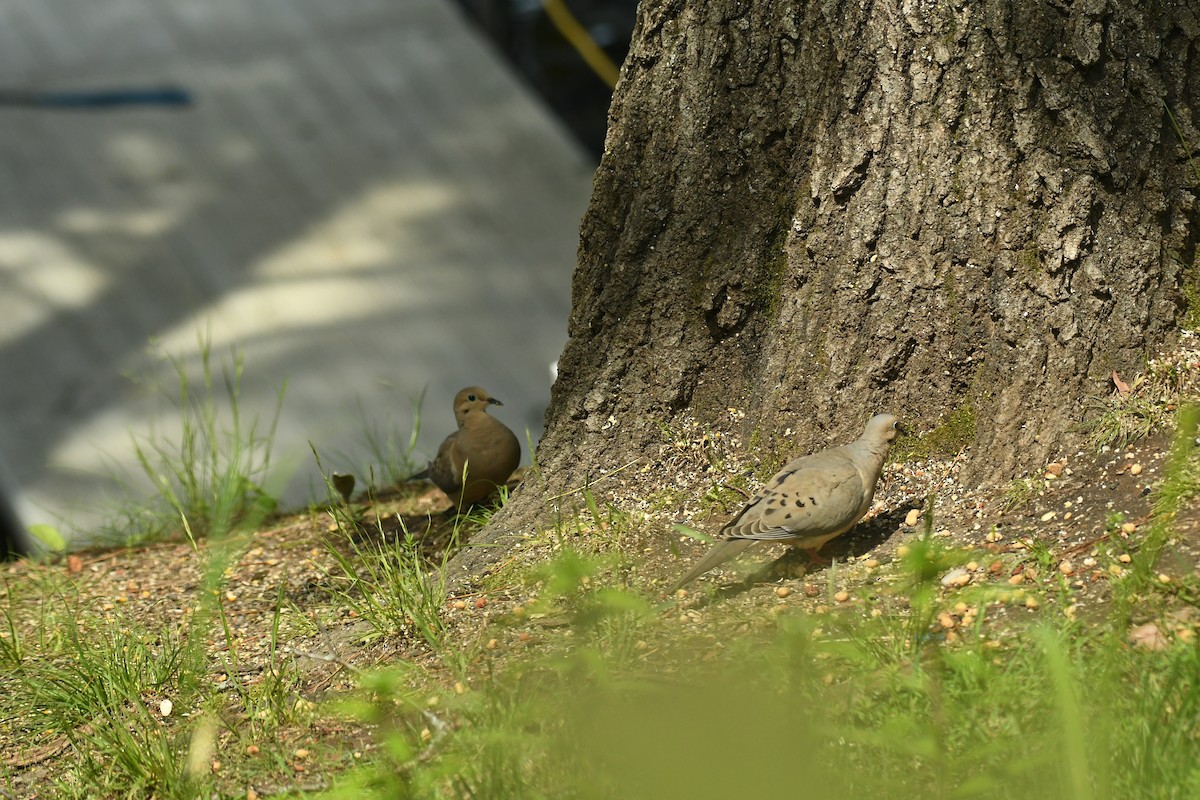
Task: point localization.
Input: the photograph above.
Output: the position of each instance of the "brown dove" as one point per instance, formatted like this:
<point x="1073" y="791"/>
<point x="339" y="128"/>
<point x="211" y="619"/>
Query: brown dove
<point x="482" y="450"/>
<point x="810" y="501"/>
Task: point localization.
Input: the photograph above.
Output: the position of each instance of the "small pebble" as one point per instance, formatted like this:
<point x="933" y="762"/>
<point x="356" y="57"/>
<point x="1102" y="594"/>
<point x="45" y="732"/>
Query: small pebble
<point x="993" y="536"/>
<point x="902" y="550"/>
<point x="1054" y="468"/>
<point x="911" y="518"/>
<point x="782" y="591"/>
<point x="1089" y="562"/>
<point x="1128" y="527"/>
<point x="1031" y="602"/>
<point x="1049" y="515"/>
<point x="1066" y="567"/>
<point x="842" y="596"/>
<point x="1124" y="558"/>
<point x="973" y="566"/>
<point x="460" y="604"/>
<point x="1136" y="469"/>
<point x="872" y="563"/>
<point x="1164" y="577"/>
<point x="1018" y="578"/>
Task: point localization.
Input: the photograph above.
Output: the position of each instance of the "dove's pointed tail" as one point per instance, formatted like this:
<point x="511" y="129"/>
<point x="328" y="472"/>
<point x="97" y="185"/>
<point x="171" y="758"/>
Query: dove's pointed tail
<point x="722" y="552"/>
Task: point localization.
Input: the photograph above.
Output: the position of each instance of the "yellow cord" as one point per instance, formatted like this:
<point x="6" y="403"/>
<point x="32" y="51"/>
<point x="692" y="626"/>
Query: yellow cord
<point x="577" y="36"/>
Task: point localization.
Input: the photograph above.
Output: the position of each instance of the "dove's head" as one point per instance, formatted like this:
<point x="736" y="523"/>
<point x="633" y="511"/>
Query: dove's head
<point x="472" y="400"/>
<point x="882" y="429"/>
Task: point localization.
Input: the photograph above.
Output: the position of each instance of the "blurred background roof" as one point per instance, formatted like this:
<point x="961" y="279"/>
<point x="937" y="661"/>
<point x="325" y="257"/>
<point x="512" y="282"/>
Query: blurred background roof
<point x="360" y="197"/>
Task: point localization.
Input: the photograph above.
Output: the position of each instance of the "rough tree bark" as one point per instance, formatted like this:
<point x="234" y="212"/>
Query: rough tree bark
<point x="812" y="211"/>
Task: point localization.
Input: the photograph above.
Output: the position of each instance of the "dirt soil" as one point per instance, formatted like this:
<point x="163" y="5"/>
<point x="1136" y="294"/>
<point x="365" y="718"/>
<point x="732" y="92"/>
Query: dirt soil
<point x="1054" y="553"/>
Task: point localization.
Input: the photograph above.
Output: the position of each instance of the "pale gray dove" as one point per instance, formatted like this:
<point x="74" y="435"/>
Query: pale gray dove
<point x="810" y="501"/>
<point x="482" y="449"/>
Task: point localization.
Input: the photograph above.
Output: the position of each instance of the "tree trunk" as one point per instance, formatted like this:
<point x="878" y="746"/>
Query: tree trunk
<point x="811" y="212"/>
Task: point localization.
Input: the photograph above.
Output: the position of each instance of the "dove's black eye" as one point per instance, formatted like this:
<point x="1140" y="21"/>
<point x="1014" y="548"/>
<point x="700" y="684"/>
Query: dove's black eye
<point x="472" y="398"/>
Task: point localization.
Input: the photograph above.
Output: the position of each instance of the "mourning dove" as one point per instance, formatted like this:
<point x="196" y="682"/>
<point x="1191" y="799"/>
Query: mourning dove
<point x="482" y="449"/>
<point x="811" y="500"/>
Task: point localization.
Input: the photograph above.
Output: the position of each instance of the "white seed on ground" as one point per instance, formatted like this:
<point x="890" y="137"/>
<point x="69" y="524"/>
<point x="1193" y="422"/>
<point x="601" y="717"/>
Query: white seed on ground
<point x="1049" y="515"/>
<point x="956" y="578"/>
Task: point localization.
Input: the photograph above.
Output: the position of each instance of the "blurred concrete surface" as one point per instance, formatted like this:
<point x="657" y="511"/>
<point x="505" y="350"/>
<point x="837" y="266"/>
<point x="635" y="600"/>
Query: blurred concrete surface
<point x="361" y="199"/>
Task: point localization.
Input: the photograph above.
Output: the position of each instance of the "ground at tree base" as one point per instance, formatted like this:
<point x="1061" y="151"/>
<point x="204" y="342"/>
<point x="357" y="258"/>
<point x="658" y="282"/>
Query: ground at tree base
<point x="1048" y="545"/>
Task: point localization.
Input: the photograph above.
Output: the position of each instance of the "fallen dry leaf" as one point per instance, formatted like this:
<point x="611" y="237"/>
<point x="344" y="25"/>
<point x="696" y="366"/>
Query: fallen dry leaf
<point x="1148" y="636"/>
<point x="1122" y="386"/>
